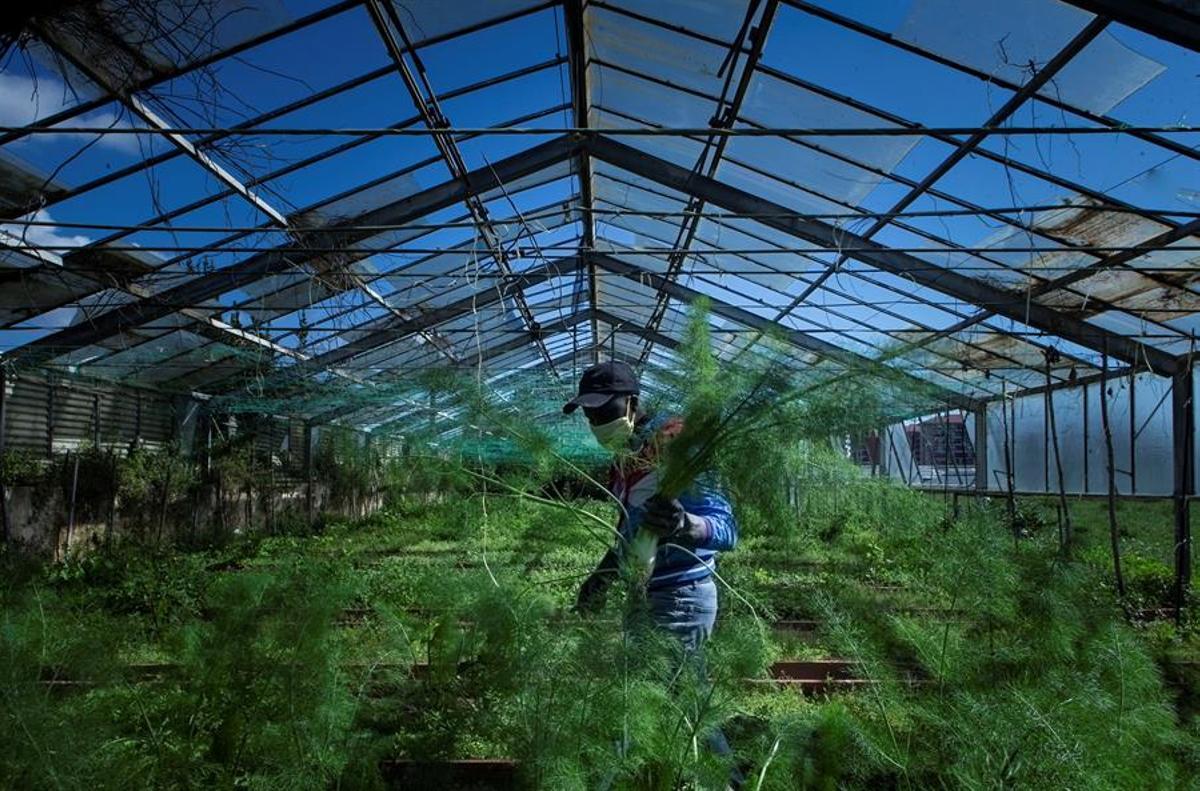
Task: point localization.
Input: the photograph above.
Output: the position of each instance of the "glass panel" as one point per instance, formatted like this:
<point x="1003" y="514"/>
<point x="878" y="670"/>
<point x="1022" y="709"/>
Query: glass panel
<point x="832" y="56"/>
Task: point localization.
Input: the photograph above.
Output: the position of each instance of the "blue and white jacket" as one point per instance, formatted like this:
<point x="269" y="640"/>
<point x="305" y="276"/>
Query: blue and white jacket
<point x="634" y="480"/>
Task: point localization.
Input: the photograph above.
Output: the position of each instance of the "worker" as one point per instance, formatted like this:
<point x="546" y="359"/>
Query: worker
<point x="681" y="595"/>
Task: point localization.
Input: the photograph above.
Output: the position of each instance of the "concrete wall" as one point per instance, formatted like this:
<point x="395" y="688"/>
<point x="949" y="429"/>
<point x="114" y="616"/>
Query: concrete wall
<point x="40" y="523"/>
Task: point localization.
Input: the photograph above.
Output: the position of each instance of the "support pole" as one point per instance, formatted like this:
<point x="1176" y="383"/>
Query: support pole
<point x="1132" y="431"/>
<point x="1114" y="534"/>
<point x="1010" y="500"/>
<point x="1066" y="532"/>
<point x="981" y="459"/>
<point x="5" y="520"/>
<point x="50" y="418"/>
<point x="308" y="472"/>
<point x="1184" y="430"/>
<point x="1086" y="444"/>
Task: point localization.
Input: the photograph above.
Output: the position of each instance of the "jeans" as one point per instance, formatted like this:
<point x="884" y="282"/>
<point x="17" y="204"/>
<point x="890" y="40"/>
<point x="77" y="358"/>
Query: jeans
<point x="688" y="612"/>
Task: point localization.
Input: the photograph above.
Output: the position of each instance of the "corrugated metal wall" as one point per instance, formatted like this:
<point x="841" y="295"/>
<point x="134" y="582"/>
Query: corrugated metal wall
<point x="44" y="416"/>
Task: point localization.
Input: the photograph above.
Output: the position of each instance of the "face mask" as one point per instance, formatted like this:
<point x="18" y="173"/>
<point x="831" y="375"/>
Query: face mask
<point x="614" y="435"/>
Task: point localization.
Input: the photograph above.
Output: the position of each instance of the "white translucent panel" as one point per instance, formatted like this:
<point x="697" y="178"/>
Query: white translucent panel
<point x="719" y="19"/>
<point x="705" y="260"/>
<point x="836" y="58"/>
<point x="1070" y="429"/>
<point x="1029" y="449"/>
<point x="626" y="179"/>
<point x="775" y="191"/>
<point x="678" y="150"/>
<point x="773" y="102"/>
<point x="622" y="192"/>
<point x="356" y="204"/>
<point x="1153" y="443"/>
<point x="1003" y="39"/>
<point x="996" y="459"/>
<point x="629" y="255"/>
<point x="812" y="170"/>
<point x="1128" y="290"/>
<point x="1103" y="75"/>
<point x="1115" y="163"/>
<point x="1172" y="257"/>
<point x="897" y="454"/>
<point x="1158" y="102"/>
<point x="627" y="300"/>
<point x="651" y="50"/>
<point x="1136" y="328"/>
<point x="340" y="175"/>
<point x="547" y="175"/>
<point x="426" y="19"/>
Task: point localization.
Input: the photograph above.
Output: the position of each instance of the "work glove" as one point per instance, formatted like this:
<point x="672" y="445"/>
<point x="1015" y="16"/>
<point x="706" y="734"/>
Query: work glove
<point x="668" y="520"/>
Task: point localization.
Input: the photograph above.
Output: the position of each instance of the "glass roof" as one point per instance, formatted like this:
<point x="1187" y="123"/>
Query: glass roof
<point x="312" y="194"/>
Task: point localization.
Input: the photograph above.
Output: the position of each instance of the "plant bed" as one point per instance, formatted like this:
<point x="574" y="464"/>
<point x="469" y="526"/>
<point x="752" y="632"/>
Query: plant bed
<point x="463" y="773"/>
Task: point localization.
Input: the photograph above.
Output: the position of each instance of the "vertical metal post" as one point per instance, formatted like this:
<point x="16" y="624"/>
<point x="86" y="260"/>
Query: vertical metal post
<point x="1010" y="452"/>
<point x="1046" y="407"/>
<point x="96" y="420"/>
<point x="1114" y="534"/>
<point x="308" y="472"/>
<point x="981" y="458"/>
<point x="946" y="452"/>
<point x="137" y="423"/>
<point x="1132" y="431"/>
<point x="1184" y="431"/>
<point x="4" y="518"/>
<point x="1086" y="487"/>
<point x="50" y="417"/>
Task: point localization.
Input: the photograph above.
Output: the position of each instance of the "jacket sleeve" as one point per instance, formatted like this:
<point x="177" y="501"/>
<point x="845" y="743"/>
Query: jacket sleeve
<point x="711" y="506"/>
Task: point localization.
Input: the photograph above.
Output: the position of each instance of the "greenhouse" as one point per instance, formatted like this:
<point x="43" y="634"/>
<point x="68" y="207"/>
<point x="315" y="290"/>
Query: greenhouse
<point x="599" y="394"/>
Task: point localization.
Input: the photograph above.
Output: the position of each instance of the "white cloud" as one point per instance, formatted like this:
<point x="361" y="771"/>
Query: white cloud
<point x="25" y="98"/>
<point x="41" y="236"/>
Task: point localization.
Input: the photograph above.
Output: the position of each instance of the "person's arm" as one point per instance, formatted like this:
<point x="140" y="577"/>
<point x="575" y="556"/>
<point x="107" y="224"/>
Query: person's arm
<point x="721" y="532"/>
<point x="702" y="521"/>
<point x="593" y="589"/>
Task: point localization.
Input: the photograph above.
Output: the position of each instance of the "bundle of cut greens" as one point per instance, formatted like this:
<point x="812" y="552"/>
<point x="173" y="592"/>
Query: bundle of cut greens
<point x="747" y="424"/>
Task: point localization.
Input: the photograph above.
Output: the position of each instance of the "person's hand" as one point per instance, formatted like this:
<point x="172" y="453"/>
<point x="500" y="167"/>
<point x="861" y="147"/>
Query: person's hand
<point x="664" y="517"/>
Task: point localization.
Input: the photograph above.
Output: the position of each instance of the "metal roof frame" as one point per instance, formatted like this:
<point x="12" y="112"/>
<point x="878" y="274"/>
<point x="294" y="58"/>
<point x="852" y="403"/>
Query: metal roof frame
<point x="701" y="185"/>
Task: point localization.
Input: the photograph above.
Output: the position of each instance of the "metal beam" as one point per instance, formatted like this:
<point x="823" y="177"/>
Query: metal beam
<point x="391" y="329"/>
<point x="284" y="258"/>
<point x="1010" y="304"/>
<point x="989" y="78"/>
<point x="389" y="25"/>
<point x="208" y="141"/>
<point x="965" y="148"/>
<point x="489" y="353"/>
<point x="1176" y="21"/>
<point x="275" y="216"/>
<point x="724" y="117"/>
<point x="573" y="13"/>
<point x="795" y="337"/>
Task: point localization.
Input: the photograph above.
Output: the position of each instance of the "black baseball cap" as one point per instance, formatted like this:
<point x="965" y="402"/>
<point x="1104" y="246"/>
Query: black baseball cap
<point x="600" y="383"/>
